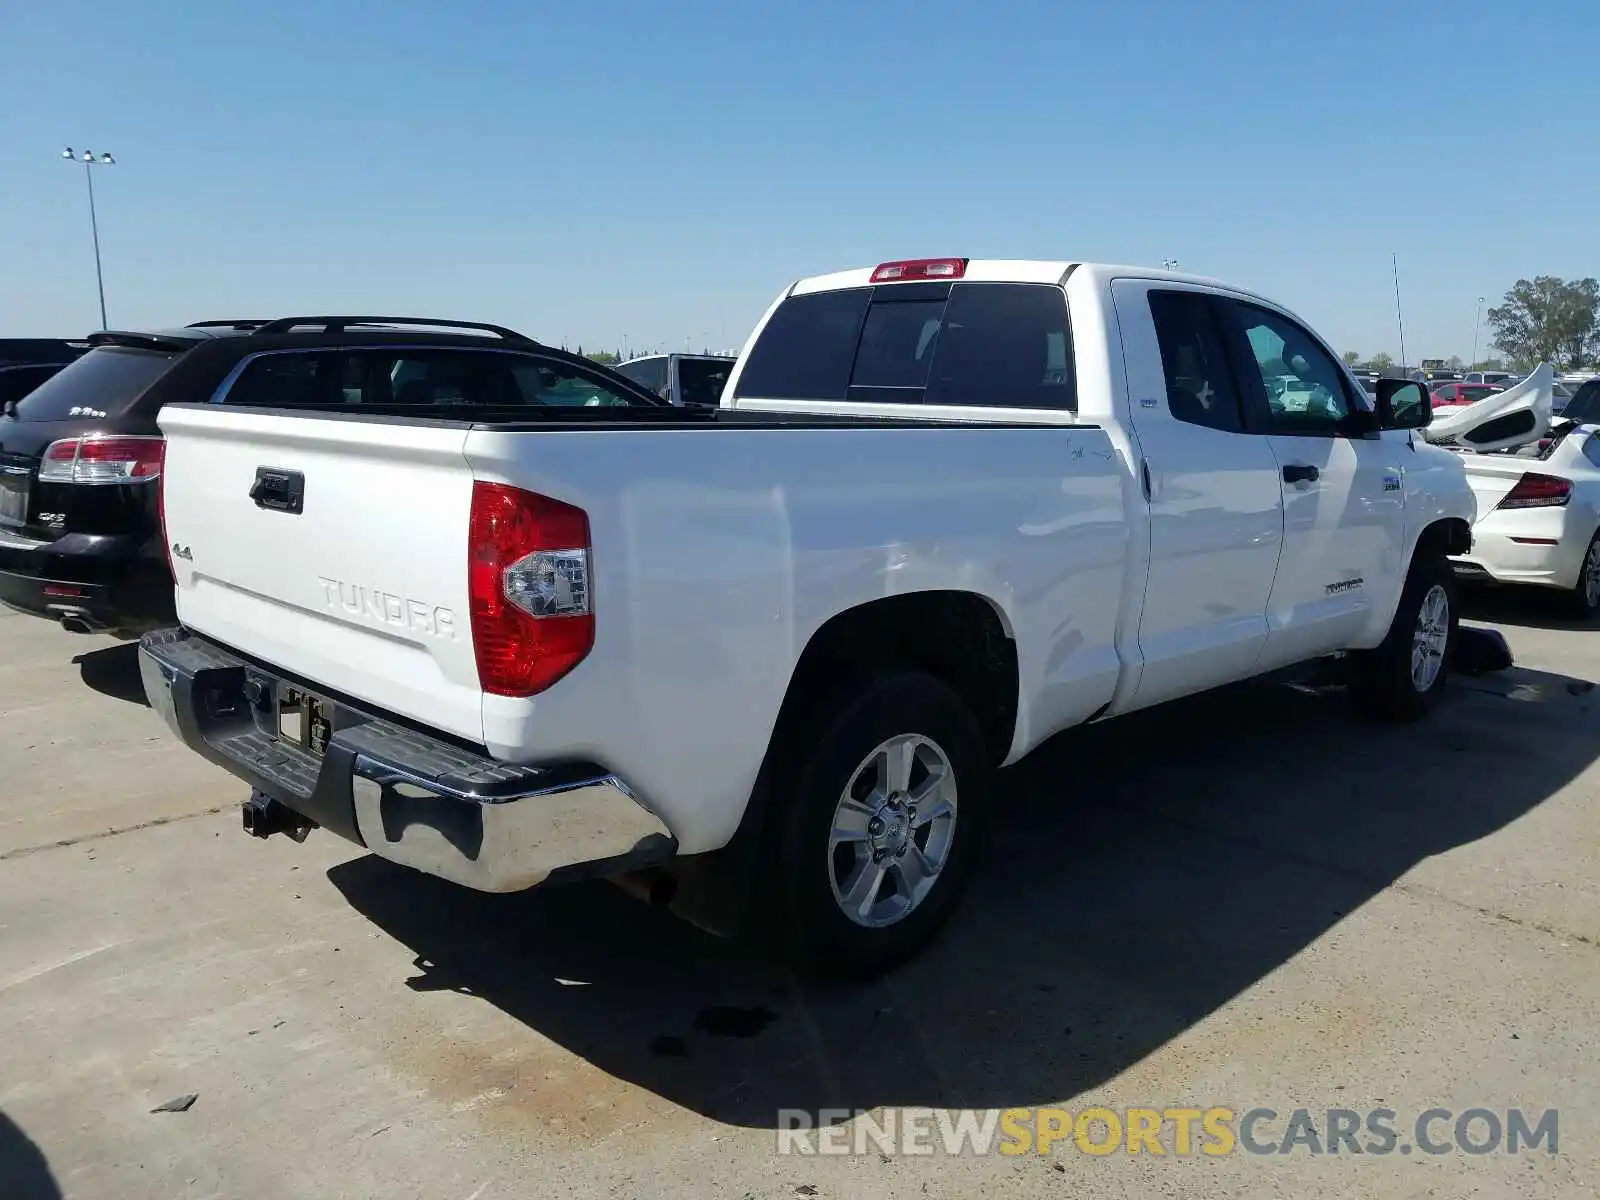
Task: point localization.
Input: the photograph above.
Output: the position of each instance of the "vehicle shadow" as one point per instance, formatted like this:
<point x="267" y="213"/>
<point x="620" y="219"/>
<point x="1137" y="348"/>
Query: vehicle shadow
<point x="1140" y="875"/>
<point x="24" y="1173"/>
<point x="1527" y="607"/>
<point x="114" y="671"/>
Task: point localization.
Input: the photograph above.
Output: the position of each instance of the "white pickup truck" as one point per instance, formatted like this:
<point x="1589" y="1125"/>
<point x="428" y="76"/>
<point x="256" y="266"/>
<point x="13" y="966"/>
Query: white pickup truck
<point x="769" y="655"/>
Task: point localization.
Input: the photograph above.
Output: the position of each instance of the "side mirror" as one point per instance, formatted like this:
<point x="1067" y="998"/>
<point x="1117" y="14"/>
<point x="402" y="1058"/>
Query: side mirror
<point x="1403" y="404"/>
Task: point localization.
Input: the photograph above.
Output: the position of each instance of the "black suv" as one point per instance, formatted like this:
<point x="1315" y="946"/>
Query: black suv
<point x="81" y="455"/>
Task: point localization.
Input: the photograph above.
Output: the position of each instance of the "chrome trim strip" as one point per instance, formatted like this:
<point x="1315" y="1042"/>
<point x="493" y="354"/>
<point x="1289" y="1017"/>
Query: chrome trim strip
<point x="15" y="541"/>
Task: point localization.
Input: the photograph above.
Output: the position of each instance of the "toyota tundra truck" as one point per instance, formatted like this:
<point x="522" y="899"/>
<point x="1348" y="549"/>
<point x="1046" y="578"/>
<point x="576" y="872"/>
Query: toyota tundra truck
<point x="768" y="656"/>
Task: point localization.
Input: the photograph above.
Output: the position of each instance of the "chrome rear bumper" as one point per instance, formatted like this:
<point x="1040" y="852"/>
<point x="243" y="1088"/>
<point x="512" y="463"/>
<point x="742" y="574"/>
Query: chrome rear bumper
<point x="411" y="798"/>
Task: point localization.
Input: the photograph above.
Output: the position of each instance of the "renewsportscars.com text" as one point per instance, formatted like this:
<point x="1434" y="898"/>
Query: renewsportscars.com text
<point x="1214" y="1131"/>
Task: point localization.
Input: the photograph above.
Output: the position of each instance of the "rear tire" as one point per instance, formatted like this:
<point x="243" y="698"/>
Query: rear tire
<point x="1583" y="601"/>
<point x="879" y="830"/>
<point x="1403" y="678"/>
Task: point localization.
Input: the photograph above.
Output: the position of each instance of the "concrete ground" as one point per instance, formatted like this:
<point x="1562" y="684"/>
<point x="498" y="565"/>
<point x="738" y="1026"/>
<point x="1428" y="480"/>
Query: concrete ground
<point x="1248" y="900"/>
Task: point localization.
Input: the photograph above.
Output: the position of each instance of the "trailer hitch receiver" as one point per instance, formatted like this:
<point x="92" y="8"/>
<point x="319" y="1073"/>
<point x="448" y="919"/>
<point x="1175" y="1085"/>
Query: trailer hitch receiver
<point x="264" y="816"/>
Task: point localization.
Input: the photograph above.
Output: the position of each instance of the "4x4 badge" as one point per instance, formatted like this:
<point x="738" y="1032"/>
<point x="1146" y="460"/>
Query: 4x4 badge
<point x="182" y="552"/>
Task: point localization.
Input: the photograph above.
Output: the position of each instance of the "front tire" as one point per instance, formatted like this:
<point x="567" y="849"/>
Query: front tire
<point x="880" y="829"/>
<point x="1403" y="678"/>
<point x="1583" y="601"/>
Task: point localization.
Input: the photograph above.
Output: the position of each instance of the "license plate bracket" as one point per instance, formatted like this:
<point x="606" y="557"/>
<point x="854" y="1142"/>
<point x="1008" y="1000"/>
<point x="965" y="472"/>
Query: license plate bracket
<point x="305" y="720"/>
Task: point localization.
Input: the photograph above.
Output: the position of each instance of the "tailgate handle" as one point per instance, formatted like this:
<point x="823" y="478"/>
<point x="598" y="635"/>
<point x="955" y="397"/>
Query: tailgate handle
<point x="282" y="491"/>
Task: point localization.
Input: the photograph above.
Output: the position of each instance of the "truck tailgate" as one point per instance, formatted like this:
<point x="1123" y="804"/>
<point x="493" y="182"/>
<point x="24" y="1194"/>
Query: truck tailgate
<point x="360" y="583"/>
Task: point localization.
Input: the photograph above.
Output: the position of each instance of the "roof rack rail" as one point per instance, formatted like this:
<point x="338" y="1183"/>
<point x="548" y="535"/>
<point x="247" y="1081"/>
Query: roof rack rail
<point x="247" y="323"/>
<point x="340" y="324"/>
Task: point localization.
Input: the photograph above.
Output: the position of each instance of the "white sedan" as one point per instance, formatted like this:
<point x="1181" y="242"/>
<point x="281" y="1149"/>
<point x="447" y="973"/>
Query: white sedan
<point x="1537" y="480"/>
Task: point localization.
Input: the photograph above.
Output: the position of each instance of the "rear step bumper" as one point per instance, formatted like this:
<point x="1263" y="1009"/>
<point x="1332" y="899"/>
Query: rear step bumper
<point x="407" y="797"/>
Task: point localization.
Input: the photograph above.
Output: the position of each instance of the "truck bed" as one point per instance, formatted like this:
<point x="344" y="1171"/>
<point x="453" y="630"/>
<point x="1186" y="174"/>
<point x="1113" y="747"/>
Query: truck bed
<point x="720" y="542"/>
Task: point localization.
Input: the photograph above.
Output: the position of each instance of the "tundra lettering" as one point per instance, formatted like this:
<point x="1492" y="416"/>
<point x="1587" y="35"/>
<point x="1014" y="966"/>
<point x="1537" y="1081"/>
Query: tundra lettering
<point x="388" y="609"/>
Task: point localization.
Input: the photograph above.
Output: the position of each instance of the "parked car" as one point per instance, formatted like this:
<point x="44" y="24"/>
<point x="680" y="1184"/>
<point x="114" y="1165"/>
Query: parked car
<point x="686" y="380"/>
<point x="1499" y="377"/>
<point x="17" y="381"/>
<point x="764" y="658"/>
<point x="21" y="352"/>
<point x="1584" y="406"/>
<point x="1537" y="482"/>
<point x="1446" y="394"/>
<point x="80" y="455"/>
<point x="1367" y="379"/>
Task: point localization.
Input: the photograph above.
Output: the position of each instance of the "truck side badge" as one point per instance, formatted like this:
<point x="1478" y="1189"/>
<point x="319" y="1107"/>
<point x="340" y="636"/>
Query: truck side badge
<point x="182" y="552"/>
<point x="1146" y="402"/>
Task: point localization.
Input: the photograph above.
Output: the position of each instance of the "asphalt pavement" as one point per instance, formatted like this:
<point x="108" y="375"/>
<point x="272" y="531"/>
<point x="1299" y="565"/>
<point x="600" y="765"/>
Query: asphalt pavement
<point x="1248" y="901"/>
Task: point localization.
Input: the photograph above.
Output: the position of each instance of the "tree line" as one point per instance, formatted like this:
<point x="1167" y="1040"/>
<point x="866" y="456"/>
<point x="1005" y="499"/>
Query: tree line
<point x="1544" y="319"/>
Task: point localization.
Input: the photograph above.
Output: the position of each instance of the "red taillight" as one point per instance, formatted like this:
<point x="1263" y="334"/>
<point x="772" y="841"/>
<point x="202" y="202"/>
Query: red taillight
<point x="528" y="589"/>
<point x="102" y="459"/>
<point x="920" y="268"/>
<point x="1538" y="491"/>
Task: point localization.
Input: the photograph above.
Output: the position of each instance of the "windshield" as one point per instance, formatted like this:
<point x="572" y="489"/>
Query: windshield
<point x="103" y="383"/>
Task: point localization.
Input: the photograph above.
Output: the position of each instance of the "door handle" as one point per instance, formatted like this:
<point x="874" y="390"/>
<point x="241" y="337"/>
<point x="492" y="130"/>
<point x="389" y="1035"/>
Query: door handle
<point x="281" y="491"/>
<point x="1300" y="473"/>
<point x="1144" y="478"/>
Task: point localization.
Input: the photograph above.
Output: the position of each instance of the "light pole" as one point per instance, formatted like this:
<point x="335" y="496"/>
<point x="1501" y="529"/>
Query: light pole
<point x="89" y="161"/>
<point x="1476" y="323"/>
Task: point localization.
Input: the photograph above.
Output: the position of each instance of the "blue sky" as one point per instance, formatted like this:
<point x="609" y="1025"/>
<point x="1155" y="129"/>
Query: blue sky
<point x="610" y="169"/>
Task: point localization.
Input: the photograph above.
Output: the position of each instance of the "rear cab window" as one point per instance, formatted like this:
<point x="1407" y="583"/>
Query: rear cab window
<point x="104" y="383"/>
<point x="996" y="345"/>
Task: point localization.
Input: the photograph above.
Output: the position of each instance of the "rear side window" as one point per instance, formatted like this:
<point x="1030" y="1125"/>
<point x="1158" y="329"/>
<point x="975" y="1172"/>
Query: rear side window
<point x="998" y="345"/>
<point x="702" y="381"/>
<point x="648" y="372"/>
<point x="442" y="378"/>
<point x="285" y="381"/>
<point x="548" y="383"/>
<point x="103" y="383"/>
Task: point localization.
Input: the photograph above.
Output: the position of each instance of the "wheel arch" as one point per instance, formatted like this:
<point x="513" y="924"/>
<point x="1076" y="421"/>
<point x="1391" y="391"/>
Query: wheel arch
<point x="1447" y="536"/>
<point x="960" y="637"/>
